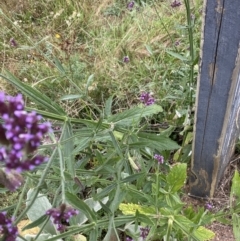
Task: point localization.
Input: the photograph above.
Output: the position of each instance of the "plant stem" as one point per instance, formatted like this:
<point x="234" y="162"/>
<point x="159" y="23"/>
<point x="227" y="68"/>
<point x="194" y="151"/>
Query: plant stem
<point x="21" y="197"/>
<point x="190" y="37"/>
<point x="42" y="179"/>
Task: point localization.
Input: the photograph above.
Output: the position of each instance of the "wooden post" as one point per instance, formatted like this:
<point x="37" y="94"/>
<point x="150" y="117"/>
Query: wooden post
<point x="218" y="96"/>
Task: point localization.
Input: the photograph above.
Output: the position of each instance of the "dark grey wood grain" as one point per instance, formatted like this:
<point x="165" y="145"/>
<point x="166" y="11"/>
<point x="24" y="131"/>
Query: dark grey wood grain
<point x="218" y="96"/>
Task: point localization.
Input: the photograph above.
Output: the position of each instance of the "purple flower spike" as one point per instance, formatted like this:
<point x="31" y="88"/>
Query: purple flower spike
<point x="159" y="158"/>
<point x="129" y="239"/>
<point x="20" y="136"/>
<point x="147" y="99"/>
<point x="209" y="206"/>
<point x="144" y="232"/>
<point x="130" y="5"/>
<point x="7" y="231"/>
<point x="61" y="216"/>
<point x="177" y="43"/>
<point x="126" y="59"/>
<point x="176" y="3"/>
<point x="13" y="43"/>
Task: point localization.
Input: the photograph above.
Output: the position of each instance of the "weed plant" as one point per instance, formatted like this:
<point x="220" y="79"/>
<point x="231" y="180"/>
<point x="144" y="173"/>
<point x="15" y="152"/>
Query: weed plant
<point x="116" y="81"/>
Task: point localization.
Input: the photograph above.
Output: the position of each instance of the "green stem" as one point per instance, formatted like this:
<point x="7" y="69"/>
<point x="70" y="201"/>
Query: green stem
<point x="190" y="37"/>
<point x="62" y="169"/>
<point x="157" y="188"/>
<point x="21" y="197"/>
<point x="41" y="180"/>
<point x="165" y="28"/>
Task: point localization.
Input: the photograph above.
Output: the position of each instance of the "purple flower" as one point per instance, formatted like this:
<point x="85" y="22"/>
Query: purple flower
<point x="61" y="216"/>
<point x="130" y="5"/>
<point x="147" y="99"/>
<point x="176" y="3"/>
<point x="209" y="206"/>
<point x="20" y="136"/>
<point x="126" y="59"/>
<point x="129" y="239"/>
<point x="159" y="158"/>
<point x="12" y="42"/>
<point x="7" y="230"/>
<point x="177" y="43"/>
<point x="144" y="232"/>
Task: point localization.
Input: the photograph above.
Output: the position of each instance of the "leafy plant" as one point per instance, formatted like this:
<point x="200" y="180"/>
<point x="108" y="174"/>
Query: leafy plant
<point x="163" y="210"/>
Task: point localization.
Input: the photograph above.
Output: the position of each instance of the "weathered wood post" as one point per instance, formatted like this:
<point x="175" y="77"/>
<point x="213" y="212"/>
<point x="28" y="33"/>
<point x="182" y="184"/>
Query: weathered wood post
<point x="218" y="96"/>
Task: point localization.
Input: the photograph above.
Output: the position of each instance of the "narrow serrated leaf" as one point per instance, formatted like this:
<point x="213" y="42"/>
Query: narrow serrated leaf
<point x="176" y="177"/>
<point x="133" y="116"/>
<point x="35" y="95"/>
<point x="77" y="203"/>
<point x="36" y="223"/>
<point x="70" y="97"/>
<point x="67" y="148"/>
<point x="177" y="55"/>
<point x="108" y="106"/>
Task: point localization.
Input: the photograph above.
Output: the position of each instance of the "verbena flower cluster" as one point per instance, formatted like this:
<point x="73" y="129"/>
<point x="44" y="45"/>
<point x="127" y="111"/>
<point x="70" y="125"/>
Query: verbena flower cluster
<point x="20" y="133"/>
<point x="144" y="231"/>
<point x="208" y="206"/>
<point x="61" y="216"/>
<point x="13" y="42"/>
<point x="176" y="3"/>
<point x="7" y="230"/>
<point x="159" y="158"/>
<point x="147" y="99"/>
<point x="126" y="59"/>
<point x="130" y="5"/>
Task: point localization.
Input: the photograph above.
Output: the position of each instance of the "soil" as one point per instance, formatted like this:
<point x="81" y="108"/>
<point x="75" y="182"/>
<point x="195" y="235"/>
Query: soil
<point x="220" y="201"/>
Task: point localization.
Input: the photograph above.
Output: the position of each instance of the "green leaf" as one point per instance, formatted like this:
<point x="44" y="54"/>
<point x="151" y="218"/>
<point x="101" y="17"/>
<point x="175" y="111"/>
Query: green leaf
<point x="77" y="203"/>
<point x="89" y="81"/>
<point x="149" y="49"/>
<point x="138" y="194"/>
<point x="108" y="106"/>
<point x="186" y="225"/>
<point x="48" y="114"/>
<point x="35" y="95"/>
<point x="142" y="218"/>
<point x="133" y="177"/>
<point x="94" y="205"/>
<point x="131" y="209"/>
<point x="59" y="66"/>
<point x="67" y="148"/>
<point x="235" y="190"/>
<point x="36" y="223"/>
<point x="81" y="144"/>
<point x="70" y="97"/>
<point x="203" y="234"/>
<point x="169" y="228"/>
<point x="176" y="177"/>
<point x="133" y="116"/>
<point x="236" y="225"/>
<point x="177" y="56"/>
<point x="116" y="144"/>
<point x="154" y="141"/>
<point x="105" y="191"/>
<point x="93" y="235"/>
